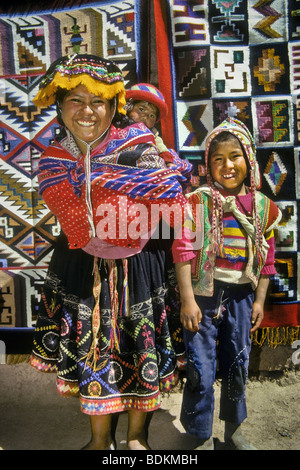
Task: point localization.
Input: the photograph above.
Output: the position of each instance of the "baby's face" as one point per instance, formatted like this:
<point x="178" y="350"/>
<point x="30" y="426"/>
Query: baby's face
<point x="145" y="112"/>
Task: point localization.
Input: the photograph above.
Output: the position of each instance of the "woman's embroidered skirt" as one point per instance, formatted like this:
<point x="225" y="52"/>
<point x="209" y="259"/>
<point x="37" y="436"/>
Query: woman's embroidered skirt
<point x="110" y="328"/>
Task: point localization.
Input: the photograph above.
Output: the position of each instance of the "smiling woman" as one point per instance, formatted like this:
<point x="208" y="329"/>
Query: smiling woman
<point x="105" y="298"/>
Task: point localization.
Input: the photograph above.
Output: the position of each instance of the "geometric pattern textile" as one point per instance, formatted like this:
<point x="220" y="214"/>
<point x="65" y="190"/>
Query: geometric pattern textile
<point x="241" y="59"/>
<point x="28" y="45"/>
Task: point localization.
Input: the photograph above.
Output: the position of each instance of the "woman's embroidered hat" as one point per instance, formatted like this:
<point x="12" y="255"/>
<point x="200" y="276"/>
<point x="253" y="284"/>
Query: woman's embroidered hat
<point x="100" y="76"/>
<point x="147" y="92"/>
<point x="239" y="130"/>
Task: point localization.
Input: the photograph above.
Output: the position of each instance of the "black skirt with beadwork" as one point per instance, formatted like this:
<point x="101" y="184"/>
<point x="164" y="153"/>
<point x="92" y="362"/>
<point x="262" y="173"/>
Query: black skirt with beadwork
<point x="110" y="329"/>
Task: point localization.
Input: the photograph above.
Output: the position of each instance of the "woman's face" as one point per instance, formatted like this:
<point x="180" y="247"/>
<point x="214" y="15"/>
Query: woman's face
<point x="87" y="116"/>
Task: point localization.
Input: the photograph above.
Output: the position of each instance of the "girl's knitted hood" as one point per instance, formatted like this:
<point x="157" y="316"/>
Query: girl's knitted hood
<point x="240" y="131"/>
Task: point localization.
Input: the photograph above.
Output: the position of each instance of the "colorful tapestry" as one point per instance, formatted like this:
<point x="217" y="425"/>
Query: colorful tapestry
<point x="211" y="59"/>
<point x="242" y="59"/>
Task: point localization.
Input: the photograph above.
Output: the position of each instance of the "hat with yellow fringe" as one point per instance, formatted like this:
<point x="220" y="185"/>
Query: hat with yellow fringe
<point x="100" y="76"/>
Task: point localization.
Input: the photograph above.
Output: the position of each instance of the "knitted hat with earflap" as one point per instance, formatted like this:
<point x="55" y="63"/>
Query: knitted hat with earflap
<point x="241" y="132"/>
<point x="147" y="92"/>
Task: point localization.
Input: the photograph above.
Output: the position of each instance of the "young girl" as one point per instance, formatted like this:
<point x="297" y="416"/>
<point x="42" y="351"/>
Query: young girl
<point x="223" y="285"/>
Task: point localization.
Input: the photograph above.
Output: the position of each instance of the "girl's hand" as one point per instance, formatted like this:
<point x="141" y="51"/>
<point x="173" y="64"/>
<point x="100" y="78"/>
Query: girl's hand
<point x="258" y="304"/>
<point x="190" y="315"/>
<point x="257" y="316"/>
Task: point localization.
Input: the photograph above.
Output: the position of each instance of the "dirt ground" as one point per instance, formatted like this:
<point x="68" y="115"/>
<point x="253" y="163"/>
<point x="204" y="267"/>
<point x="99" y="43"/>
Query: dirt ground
<point x="33" y="416"/>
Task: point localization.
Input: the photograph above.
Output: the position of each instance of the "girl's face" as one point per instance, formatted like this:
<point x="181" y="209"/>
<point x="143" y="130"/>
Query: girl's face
<point x="145" y="112"/>
<point x="228" y="166"/>
<point x="86" y="115"/>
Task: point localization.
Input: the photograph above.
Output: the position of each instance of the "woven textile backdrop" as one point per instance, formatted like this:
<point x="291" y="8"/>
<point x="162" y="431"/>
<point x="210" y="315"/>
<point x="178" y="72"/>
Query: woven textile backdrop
<point x="211" y="59"/>
<point x="29" y="44"/>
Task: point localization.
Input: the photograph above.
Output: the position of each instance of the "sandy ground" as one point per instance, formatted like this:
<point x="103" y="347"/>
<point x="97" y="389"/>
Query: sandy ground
<point x="34" y="417"/>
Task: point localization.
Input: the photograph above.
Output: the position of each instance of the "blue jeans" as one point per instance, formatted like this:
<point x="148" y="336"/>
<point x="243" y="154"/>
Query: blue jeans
<point x="225" y="327"/>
